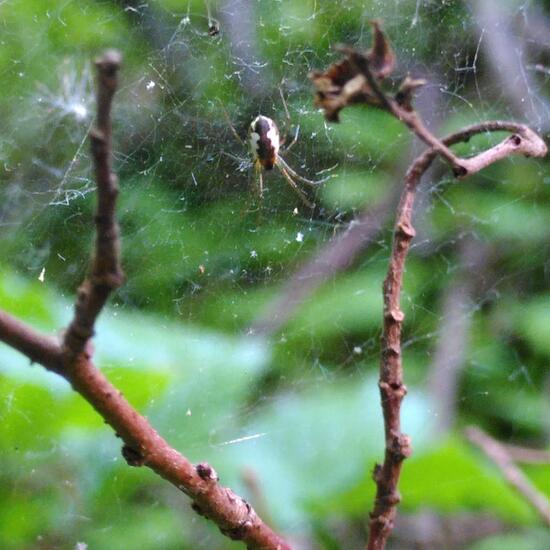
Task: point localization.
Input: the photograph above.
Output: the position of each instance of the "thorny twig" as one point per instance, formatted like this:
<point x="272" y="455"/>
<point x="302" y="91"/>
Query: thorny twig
<point x="354" y="80"/>
<point x="499" y="454"/>
<point x="72" y="360"/>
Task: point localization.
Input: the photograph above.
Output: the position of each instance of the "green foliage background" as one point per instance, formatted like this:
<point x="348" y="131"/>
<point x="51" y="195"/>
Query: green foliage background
<point x="203" y="258"/>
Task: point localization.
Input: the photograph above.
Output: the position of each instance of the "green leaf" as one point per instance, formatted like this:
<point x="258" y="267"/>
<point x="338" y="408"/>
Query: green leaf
<point x="449" y="478"/>
<point x="305" y="446"/>
<point x="534" y="539"/>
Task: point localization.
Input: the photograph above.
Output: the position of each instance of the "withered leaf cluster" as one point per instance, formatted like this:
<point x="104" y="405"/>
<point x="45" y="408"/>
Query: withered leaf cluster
<point x="357" y="78"/>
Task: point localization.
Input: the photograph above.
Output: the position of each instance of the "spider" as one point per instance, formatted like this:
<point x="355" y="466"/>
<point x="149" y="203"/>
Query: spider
<point x="264" y="142"/>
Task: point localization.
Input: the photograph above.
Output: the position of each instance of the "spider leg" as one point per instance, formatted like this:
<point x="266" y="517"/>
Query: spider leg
<point x="292" y="184"/>
<point x="284" y="102"/>
<point x="259" y="174"/>
<point x="261" y="184"/>
<point x="231" y="127"/>
<point x="281" y="161"/>
<point x="288" y="121"/>
<point x="294" y="139"/>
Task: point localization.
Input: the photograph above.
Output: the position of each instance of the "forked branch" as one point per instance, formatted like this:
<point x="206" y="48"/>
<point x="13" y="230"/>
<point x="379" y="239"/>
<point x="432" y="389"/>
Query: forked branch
<point x="72" y="359"/>
<point x="392" y="387"/>
<point x="358" y="79"/>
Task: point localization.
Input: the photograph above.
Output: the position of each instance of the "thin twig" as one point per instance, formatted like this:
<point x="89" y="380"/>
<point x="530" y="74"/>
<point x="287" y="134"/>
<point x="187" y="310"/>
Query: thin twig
<point x="37" y="347"/>
<point x="72" y="360"/>
<point x="527" y="455"/>
<point x="143" y="446"/>
<point x="500" y="456"/>
<point x="106" y="273"/>
<point x="409" y="118"/>
<point x="392" y="389"/>
<point x="461" y="167"/>
<point x="357" y="80"/>
<point x="505" y="49"/>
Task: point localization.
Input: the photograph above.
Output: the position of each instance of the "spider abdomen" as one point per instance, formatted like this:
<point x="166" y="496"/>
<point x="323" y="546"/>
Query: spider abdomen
<point x="264" y="141"/>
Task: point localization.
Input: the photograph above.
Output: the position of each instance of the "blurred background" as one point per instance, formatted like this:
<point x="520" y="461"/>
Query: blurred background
<point x="248" y="330"/>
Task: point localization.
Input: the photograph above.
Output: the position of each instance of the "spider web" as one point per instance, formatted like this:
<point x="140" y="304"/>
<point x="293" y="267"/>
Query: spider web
<point x="203" y="254"/>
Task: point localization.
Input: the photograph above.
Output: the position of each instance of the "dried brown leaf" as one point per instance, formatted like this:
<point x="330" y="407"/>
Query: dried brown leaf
<point x="381" y="57"/>
<point x="339" y="86"/>
<point x="345" y="83"/>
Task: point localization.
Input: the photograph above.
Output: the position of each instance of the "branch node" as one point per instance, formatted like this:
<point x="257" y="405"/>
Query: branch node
<point x="395" y="315"/>
<point x="109" y="281"/>
<point x="83" y="291"/>
<point x="109" y="62"/>
<point x="405" y="230"/>
<point x="384" y="522"/>
<point x="460" y="171"/>
<point x="132" y="456"/>
<point x="206" y="472"/>
<point x="515" y="139"/>
<point x="239" y="532"/>
<point x="392" y="350"/>
<point x="393" y="390"/>
<point x="400" y="446"/>
<point x="391" y="499"/>
<point x="98" y="139"/>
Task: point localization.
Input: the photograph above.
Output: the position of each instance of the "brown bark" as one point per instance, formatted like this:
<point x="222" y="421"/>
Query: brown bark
<point x="392" y="388"/>
<point x="72" y="359"/>
<point x="106" y="273"/>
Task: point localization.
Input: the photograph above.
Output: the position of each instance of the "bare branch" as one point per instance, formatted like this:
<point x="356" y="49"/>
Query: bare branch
<point x="523" y="142"/>
<point x="142" y="444"/>
<point x="500" y="456"/>
<point x="355" y="80"/>
<point x="407" y="116"/>
<point x="106" y="273"/>
<point x="392" y="387"/>
<point x="461" y="167"/>
<point x="38" y="348"/>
